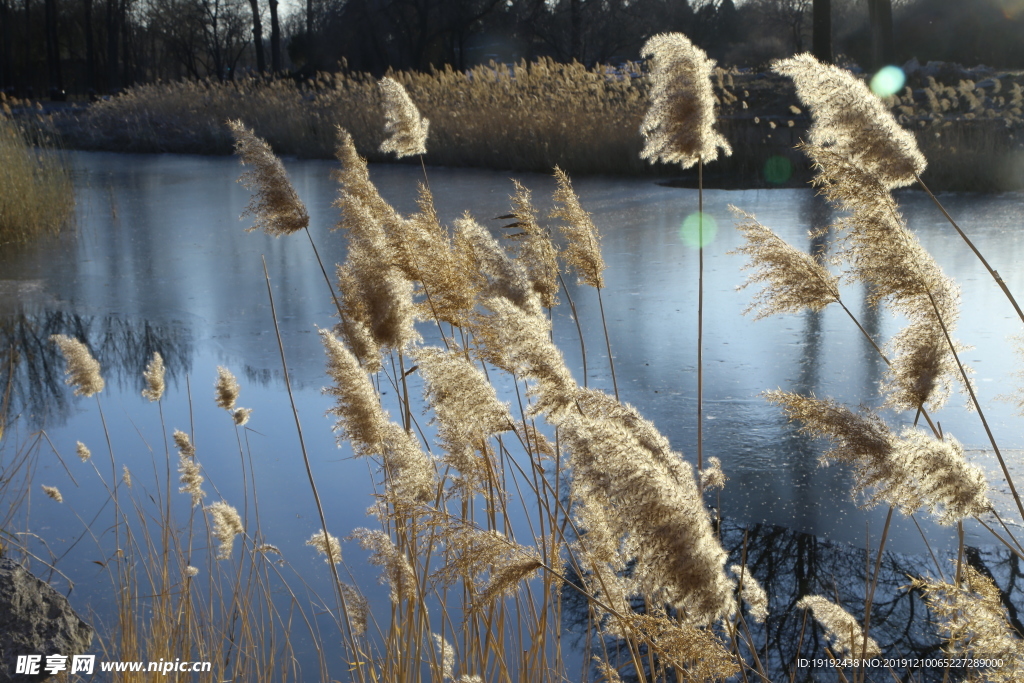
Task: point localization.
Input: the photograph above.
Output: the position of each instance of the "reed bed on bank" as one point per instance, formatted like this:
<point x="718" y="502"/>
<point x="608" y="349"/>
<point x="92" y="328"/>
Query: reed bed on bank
<point x="36" y="193"/>
<point x="487" y="513"/>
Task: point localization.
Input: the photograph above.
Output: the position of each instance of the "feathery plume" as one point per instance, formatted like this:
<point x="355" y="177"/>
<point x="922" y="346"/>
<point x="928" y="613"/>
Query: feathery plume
<point x="398" y="572"/>
<point x="583" y="242"/>
<point x="909" y="471"/>
<point x="126" y="476"/>
<point x="651" y="510"/>
<point x="268" y="549"/>
<point x="241" y="415"/>
<point x="518" y="342"/>
<point x="849" y="119"/>
<point x="841" y="628"/>
<point x="406" y="128"/>
<point x="53" y="492"/>
<point x="154" y="376"/>
<point x="326" y="545"/>
<point x="505" y="277"/>
<point x="366" y="425"/>
<point x="227" y="388"/>
<point x="226" y="524"/>
<point x="752" y="593"/>
<point x="446" y="654"/>
<point x="534" y="249"/>
<point x="191" y="571"/>
<point x="275" y="206"/>
<point x="679" y="126"/>
<point x="82" y="369"/>
<point x="467" y="408"/>
<point x="973" y="620"/>
<point x="712" y="476"/>
<point x="83" y="451"/>
<point x="358" y="609"/>
<point x="184" y="444"/>
<point x="793" y="280"/>
<point x="191" y="474"/>
<point x="685" y="647"/>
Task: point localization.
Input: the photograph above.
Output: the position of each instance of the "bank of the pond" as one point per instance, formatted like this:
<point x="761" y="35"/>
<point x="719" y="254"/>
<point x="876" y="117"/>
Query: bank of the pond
<point x="532" y="117"/>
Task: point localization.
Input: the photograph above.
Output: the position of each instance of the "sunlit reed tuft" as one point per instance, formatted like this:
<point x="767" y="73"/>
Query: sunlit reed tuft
<point x="679" y="126"/>
<point x="850" y="120"/>
<point x="327" y="545"/>
<point x="227" y="389"/>
<point x="583" y="242"/>
<point x="505" y="277"/>
<point x="398" y="572"/>
<point x="446" y="654"/>
<point x="841" y="628"/>
<point x="407" y="130"/>
<point x="53" y="492"/>
<point x="82" y="369"/>
<point x="241" y="416"/>
<point x="154" y="376"/>
<point x="712" y="476"/>
<point x="752" y="593"/>
<point x="83" y="451"/>
<point x="226" y="525"/>
<point x="191" y="476"/>
<point x="275" y="206"/>
<point x="533" y="247"/>
<point x="126" y="476"/>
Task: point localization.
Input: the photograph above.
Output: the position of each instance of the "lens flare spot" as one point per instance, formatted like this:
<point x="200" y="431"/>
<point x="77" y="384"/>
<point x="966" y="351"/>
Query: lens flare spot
<point x="696" y="232"/>
<point x="888" y="81"/>
<point x="777" y="170"/>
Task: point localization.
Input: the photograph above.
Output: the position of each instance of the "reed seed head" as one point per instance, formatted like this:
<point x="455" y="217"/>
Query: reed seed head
<point x="126" y="476"/>
<point x="398" y="572"/>
<point x="226" y="525"/>
<point x="275" y="205"/>
<point x="191" y="474"/>
<point x="679" y="127"/>
<point x="583" y="242"/>
<point x="227" y="389"/>
<point x="752" y="593"/>
<point x="407" y="130"/>
<point x="326" y="545"/>
<point x="82" y="369"/>
<point x="851" y="120"/>
<point x="841" y="628"/>
<point x="191" y="571"/>
<point x="504" y="276"/>
<point x="154" y="376"/>
<point x="241" y="416"/>
<point x="53" y="492"/>
<point x="534" y="248"/>
<point x="184" y="444"/>
<point x="712" y="477"/>
<point x="83" y="451"/>
<point x="446" y="654"/>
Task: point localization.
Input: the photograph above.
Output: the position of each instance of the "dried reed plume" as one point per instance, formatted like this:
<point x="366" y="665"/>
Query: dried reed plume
<point x="712" y="476"/>
<point x="82" y="369"/>
<point x="226" y="524"/>
<point x="446" y="654"/>
<point x="362" y="422"/>
<point x="398" y="572"/>
<point x="504" y="276"/>
<point x="496" y="564"/>
<point x="841" y="628"/>
<point x="53" y="492"/>
<point x="973" y="619"/>
<point x="519" y="342"/>
<point x="241" y="416"/>
<point x="679" y="126"/>
<point x="82" y="451"/>
<point x="191" y="571"/>
<point x="191" y="476"/>
<point x="275" y="205"/>
<point x="407" y="130"/>
<point x="227" y="389"/>
<point x="908" y="471"/>
<point x="467" y="408"/>
<point x="356" y="608"/>
<point x="696" y="654"/>
<point x="583" y="242"/>
<point x="793" y="280"/>
<point x="154" y="376"/>
<point x="126" y="476"/>
<point x="752" y="593"/>
<point x="643" y="498"/>
<point x="534" y="249"/>
<point x="326" y="545"/>
<point x="851" y="121"/>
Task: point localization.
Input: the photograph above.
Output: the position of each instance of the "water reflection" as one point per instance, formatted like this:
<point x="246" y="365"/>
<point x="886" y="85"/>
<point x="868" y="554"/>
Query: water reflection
<point x="32" y="368"/>
<point x="790" y="565"/>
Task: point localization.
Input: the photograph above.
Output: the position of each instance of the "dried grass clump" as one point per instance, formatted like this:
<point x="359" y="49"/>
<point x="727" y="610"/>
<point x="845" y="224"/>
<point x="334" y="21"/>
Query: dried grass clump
<point x="36" y="193"/>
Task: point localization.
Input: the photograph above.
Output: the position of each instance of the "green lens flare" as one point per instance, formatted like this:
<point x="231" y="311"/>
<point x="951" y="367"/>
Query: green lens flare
<point x="693" y="229"/>
<point x="777" y="170"/>
<point x="888" y="81"/>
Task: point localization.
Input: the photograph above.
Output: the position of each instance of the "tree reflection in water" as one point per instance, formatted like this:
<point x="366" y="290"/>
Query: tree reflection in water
<point x="32" y="368"/>
<point x="790" y="565"/>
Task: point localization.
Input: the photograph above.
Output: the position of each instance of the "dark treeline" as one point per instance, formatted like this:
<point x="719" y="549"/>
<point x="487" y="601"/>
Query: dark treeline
<point x="101" y="46"/>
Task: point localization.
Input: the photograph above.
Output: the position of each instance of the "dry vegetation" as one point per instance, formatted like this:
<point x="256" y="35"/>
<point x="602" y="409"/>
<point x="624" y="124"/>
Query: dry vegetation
<point x="485" y="523"/>
<point x="532" y="117"/>
<point x="36" y="195"/>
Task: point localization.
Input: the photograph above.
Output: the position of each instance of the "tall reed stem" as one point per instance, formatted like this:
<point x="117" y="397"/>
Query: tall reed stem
<point x="700" y="314"/>
<point x="608" y="344"/>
